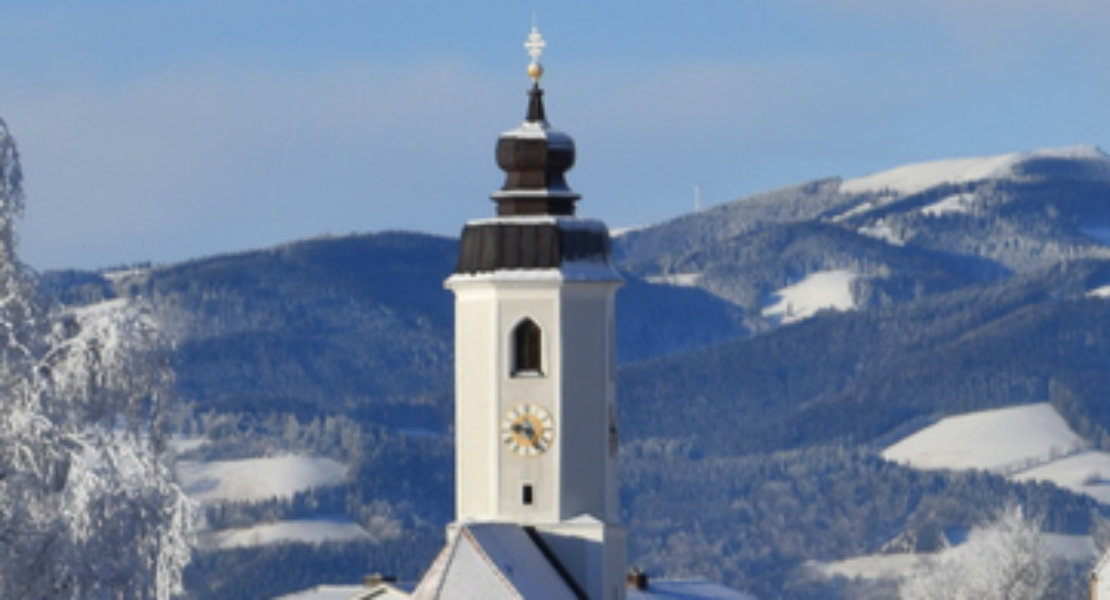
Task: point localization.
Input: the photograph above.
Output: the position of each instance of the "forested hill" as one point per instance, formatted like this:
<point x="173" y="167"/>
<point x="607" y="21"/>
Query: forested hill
<point x="862" y="377"/>
<point x="769" y="348"/>
<point x="344" y="324"/>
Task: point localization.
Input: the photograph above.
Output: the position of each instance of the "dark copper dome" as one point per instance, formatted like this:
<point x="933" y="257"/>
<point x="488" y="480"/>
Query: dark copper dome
<point x="535" y="159"/>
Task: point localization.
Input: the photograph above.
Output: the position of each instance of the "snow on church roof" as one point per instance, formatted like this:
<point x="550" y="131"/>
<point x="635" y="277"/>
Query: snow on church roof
<point x="492" y="561"/>
<point x="500" y="560"/>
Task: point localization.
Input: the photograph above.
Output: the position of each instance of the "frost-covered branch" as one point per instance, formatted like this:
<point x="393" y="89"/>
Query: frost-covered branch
<point x="87" y="507"/>
<point x="1004" y="560"/>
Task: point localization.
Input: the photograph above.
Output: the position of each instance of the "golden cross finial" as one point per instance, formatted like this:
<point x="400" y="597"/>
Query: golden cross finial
<point x="535" y="45"/>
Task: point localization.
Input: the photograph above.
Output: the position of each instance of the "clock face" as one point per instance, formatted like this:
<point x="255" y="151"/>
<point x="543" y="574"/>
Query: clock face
<point x="527" y="429"/>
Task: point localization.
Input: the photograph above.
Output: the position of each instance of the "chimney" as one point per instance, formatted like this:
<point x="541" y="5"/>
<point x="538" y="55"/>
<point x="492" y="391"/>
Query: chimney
<point x="377" y="578"/>
<point x="637" y="579"/>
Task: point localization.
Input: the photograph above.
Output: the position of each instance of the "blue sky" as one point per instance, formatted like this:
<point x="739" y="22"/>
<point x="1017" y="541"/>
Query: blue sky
<point x="164" y="131"/>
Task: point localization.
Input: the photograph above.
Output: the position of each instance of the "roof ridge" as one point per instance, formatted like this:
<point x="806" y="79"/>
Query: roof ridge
<point x="554" y="561"/>
<point x="485" y="557"/>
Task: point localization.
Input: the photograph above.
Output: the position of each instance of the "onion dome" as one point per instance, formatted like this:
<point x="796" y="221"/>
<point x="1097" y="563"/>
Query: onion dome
<point x="535" y="228"/>
<point x="534" y="156"/>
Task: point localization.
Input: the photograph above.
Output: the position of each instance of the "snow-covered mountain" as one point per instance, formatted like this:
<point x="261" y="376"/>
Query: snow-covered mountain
<point x="904" y="233"/>
<point x="773" y="346"/>
<point x="1023" y="211"/>
<point x="1087" y="161"/>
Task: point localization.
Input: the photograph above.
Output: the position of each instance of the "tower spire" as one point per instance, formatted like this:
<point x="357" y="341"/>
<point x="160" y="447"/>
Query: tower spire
<point x="535" y="46"/>
<point x="534" y="156"/>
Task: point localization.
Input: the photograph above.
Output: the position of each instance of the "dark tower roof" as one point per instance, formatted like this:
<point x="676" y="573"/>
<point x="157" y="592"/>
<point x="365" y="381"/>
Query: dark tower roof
<point x="535" y="158"/>
<point x="532" y="230"/>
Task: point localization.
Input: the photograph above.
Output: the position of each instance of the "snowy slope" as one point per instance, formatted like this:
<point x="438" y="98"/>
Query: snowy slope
<point x="1100" y="292"/>
<point x="910" y="179"/>
<point x="1026" y="443"/>
<point x="881" y="230"/>
<point x="310" y="531"/>
<point x="818" y="291"/>
<point x="257" y="478"/>
<point x="1085" y="473"/>
<point x="956" y="203"/>
<point x="993" y="439"/>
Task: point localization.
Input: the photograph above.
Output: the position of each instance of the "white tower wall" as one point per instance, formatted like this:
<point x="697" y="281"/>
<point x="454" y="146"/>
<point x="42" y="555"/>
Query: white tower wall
<point x="574" y="503"/>
<point x="576" y="476"/>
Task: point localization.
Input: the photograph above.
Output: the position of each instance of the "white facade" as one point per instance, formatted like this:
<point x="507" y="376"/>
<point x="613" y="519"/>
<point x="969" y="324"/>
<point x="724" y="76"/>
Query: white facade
<point x="564" y="486"/>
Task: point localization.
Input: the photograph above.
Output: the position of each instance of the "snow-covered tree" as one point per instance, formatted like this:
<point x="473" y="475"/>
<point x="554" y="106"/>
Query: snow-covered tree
<point x="1003" y="560"/>
<point x="87" y="507"/>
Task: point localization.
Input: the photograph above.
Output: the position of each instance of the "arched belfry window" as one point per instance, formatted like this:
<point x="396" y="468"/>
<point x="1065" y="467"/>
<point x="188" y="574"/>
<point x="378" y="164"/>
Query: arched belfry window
<point x="527" y="348"/>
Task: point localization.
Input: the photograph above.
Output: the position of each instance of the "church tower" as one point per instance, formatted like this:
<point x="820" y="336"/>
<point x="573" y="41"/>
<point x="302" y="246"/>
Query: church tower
<point x="535" y="425"/>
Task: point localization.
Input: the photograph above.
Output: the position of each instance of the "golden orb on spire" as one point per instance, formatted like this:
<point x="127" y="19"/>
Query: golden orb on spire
<point x="535" y="71"/>
<point x="534" y="46"/>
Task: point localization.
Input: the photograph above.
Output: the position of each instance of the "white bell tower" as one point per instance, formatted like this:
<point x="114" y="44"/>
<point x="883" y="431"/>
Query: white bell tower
<point x="535" y="424"/>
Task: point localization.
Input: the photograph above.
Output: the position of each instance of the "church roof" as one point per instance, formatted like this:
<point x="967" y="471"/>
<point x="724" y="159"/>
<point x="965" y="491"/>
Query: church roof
<point x="491" y="561"/>
<point x="532" y="243"/>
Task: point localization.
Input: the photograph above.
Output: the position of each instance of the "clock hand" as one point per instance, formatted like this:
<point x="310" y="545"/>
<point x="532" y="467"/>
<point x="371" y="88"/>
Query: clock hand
<point x="525" y="430"/>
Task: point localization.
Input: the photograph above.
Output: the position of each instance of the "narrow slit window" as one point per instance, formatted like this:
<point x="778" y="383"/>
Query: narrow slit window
<point x="527" y="343"/>
<point x="526" y="494"/>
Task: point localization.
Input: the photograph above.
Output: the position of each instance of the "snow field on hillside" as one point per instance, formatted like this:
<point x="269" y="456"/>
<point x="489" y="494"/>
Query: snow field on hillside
<point x="991" y="439"/>
<point x="309" y="531"/>
<point x="1084" y="473"/>
<point x="818" y="291"/>
<point x="1100" y="292"/>
<point x="910" y="179"/>
<point x="257" y="478"/>
<point x="1025" y="443"/>
<point x="881" y="230"/>
<point x="956" y="203"/>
